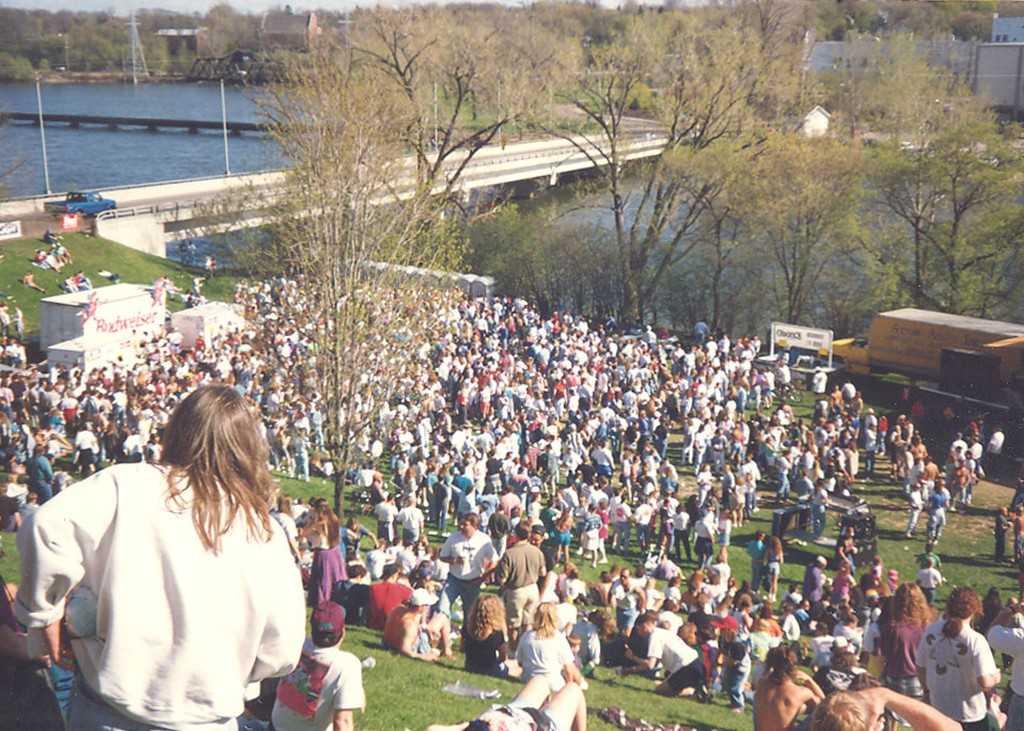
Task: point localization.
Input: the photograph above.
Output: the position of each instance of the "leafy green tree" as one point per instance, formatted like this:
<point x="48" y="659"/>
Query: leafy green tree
<point x="719" y="81"/>
<point x="949" y="219"/>
<point x="802" y="197"/>
<point x="15" y="68"/>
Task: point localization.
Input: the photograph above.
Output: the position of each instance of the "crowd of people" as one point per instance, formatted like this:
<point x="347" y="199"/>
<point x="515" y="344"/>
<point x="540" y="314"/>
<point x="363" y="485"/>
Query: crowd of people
<point x="549" y="443"/>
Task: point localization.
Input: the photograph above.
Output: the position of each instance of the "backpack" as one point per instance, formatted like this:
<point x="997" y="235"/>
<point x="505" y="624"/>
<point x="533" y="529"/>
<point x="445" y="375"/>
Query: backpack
<point x="300" y="691"/>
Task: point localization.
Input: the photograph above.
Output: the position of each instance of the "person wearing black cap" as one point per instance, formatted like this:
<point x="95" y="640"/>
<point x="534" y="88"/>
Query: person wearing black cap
<point x="327" y="685"/>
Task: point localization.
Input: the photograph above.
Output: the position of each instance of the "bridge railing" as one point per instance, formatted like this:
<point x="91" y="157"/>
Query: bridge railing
<point x="639" y="145"/>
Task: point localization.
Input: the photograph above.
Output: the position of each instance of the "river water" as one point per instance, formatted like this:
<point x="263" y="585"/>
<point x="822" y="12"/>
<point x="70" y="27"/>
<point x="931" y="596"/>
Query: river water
<point x="97" y="157"/>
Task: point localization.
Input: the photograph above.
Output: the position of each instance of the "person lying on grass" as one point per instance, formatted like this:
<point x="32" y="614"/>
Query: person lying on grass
<point x="536" y="708"/>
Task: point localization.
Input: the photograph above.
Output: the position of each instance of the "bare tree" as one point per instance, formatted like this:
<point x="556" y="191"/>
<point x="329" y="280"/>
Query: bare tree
<point x="460" y="78"/>
<point x="712" y="87"/>
<point x="349" y="225"/>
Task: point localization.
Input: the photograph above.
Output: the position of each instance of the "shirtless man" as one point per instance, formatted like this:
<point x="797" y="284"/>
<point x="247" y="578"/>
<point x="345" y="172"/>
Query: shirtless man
<point x="409" y="632"/>
<point x="783" y="693"/>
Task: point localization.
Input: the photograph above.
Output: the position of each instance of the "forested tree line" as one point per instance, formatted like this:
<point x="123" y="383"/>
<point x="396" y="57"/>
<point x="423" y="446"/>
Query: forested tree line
<point x="743" y="219"/>
<point x="34" y="41"/>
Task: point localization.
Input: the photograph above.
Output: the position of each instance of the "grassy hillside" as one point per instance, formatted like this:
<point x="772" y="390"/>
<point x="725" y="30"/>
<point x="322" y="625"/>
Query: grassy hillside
<point x="396" y="686"/>
<point x="90" y="255"/>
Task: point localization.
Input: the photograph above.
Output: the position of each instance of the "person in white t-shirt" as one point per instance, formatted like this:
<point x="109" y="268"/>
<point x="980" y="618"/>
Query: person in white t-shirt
<point x="544" y="651"/>
<point x="929" y="579"/>
<point x="959" y="668"/>
<point x="326" y="687"/>
<point x="819" y="381"/>
<point x="470" y="554"/>
<point x="87" y="450"/>
<point x="411" y="519"/>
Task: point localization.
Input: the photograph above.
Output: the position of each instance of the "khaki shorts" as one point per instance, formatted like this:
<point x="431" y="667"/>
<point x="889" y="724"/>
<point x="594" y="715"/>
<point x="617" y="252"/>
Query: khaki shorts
<point x="520" y="605"/>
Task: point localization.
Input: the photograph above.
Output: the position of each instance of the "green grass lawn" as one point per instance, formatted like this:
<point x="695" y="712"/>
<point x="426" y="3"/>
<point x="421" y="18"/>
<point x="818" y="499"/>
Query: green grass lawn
<point x="90" y="255"/>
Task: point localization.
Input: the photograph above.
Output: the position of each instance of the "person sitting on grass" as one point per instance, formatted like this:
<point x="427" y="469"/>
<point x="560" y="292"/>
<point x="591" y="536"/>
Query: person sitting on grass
<point x="410" y="632"/>
<point x="485" y="638"/>
<point x="535" y="707"/>
<point x="684" y="668"/>
<point x="544" y="651"/>
<point x="327" y="685"/>
<point x="783" y="692"/>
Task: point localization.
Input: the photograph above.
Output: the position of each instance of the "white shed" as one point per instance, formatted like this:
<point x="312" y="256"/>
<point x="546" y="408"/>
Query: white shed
<point x="815" y="122"/>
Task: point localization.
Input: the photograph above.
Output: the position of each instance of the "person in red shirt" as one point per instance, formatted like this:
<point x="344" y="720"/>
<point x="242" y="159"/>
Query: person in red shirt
<point x="385" y="595"/>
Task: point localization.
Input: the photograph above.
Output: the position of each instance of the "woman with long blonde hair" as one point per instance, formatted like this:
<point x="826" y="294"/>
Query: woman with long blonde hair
<point x="485" y="637"/>
<point x="167" y="562"/>
<point x="544" y="651"/>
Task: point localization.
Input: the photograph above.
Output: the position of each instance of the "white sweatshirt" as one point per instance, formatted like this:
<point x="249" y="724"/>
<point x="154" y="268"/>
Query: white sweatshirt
<point x="180" y="630"/>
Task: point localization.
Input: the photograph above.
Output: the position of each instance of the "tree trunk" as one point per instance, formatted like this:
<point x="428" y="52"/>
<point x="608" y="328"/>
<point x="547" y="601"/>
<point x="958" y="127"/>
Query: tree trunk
<point x="339" y="489"/>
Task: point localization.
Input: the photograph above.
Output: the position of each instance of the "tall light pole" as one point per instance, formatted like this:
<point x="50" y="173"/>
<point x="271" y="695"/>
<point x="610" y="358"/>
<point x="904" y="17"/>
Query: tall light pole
<point x="224" y="122"/>
<point x="42" y="137"/>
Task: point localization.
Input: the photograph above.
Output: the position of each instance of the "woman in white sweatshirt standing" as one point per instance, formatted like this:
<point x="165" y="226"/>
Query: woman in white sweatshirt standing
<point x="182" y="589"/>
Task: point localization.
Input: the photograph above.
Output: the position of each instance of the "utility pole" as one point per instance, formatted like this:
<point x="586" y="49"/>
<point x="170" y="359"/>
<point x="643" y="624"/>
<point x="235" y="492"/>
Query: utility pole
<point x="42" y="137"/>
<point x="139" y="67"/>
<point x="224" y="122"/>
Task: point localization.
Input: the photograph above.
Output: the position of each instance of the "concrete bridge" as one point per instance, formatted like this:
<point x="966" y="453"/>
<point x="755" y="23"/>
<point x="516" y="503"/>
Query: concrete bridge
<point x="149" y="216"/>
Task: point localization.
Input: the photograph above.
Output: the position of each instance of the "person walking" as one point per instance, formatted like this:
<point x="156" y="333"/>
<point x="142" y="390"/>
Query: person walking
<point x="916" y="501"/>
<point x="187" y="544"/>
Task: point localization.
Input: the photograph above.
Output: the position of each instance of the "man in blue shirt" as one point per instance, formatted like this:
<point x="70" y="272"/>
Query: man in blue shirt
<point x="40" y="474"/>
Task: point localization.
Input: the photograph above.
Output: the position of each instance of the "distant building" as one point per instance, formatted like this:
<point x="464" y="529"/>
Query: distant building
<point x="1000" y="76"/>
<point x="190" y="39"/>
<point x="863" y="54"/>
<point x="815" y="122"/>
<point x="1007" y="30"/>
<point x="289" y="30"/>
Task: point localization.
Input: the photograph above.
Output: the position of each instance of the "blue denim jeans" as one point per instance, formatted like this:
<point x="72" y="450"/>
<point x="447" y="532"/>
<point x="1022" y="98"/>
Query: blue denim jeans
<point x="733" y="681"/>
<point x="642" y="536"/>
<point x="626" y="618"/>
<point x="455" y="588"/>
<point x="783" y="491"/>
<point x="1015" y="716"/>
<point x="818" y="518"/>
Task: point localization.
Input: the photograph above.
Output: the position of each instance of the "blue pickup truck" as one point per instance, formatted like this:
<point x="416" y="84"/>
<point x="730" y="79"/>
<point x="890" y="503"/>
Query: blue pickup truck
<point x="87" y="204"/>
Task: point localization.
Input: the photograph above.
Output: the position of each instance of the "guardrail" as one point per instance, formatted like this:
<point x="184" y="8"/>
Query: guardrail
<point x="148" y="210"/>
<point x="643" y="145"/>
